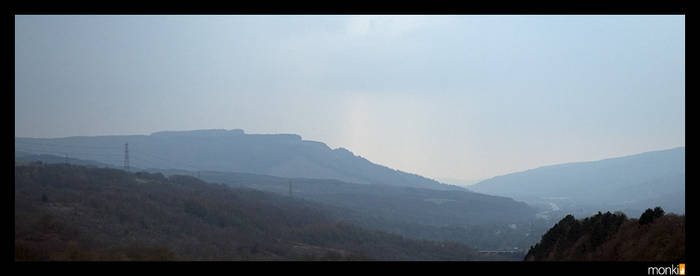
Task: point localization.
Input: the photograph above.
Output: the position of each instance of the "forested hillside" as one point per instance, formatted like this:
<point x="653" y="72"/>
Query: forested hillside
<point x="68" y="212"/>
<point x="655" y="236"/>
<point x="482" y="221"/>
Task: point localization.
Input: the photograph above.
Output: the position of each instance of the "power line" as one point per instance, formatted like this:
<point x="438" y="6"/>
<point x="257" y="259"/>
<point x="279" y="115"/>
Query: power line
<point x="142" y="159"/>
<point x="173" y="162"/>
<point x="105" y="154"/>
<point x="74" y="154"/>
<point x="65" y="155"/>
<point x="61" y="150"/>
<point x="126" y="157"/>
<point x="52" y="144"/>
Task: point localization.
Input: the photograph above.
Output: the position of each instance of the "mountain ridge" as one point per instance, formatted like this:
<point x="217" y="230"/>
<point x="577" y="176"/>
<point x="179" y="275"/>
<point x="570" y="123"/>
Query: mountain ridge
<point x="611" y="182"/>
<point x="284" y="155"/>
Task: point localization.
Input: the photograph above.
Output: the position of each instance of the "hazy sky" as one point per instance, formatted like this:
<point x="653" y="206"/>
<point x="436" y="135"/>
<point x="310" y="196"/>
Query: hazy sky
<point x="443" y="96"/>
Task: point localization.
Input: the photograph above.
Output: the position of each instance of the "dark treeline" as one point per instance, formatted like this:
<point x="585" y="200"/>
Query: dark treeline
<point x="68" y="212"/>
<point x="655" y="236"/>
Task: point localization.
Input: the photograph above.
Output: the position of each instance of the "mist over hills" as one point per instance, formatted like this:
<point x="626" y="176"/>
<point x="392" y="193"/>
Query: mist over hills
<point x="284" y="155"/>
<point x="65" y="212"/>
<point x="380" y="198"/>
<point x="482" y="221"/>
<point x="629" y="183"/>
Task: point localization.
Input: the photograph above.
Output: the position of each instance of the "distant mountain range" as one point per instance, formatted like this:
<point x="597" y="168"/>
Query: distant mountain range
<point x="283" y="155"/>
<point x="631" y="184"/>
<point x="379" y="198"/>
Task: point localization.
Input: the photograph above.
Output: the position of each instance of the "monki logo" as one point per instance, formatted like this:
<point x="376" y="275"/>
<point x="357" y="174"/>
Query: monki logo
<point x="670" y="270"/>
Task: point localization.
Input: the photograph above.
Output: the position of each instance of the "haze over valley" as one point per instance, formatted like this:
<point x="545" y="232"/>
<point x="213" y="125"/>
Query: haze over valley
<point x="507" y="213"/>
<point x="349" y="137"/>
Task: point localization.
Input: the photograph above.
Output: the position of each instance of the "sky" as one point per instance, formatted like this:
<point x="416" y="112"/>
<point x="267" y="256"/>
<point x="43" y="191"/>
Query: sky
<point x="459" y="97"/>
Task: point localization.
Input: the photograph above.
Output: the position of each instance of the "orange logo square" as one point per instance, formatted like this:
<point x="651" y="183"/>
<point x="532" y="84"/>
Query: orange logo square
<point x="681" y="269"/>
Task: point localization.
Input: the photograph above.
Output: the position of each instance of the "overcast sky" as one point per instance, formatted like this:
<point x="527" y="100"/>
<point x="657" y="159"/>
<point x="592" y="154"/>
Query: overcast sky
<point x="465" y="97"/>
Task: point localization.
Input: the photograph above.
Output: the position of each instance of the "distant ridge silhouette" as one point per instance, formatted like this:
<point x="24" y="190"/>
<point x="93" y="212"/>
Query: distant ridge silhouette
<point x="284" y="155"/>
